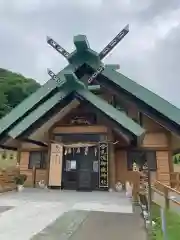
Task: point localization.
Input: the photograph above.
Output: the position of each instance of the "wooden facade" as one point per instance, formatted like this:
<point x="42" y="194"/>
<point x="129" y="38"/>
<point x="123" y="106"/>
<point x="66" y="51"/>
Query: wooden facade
<point x="156" y="139"/>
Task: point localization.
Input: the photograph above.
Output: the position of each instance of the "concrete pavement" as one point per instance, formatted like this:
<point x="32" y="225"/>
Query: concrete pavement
<point x="33" y="211"/>
<point x="83" y="225"/>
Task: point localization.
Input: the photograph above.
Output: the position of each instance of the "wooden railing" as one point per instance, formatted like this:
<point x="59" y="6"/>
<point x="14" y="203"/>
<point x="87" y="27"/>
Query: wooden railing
<point x="7" y="178"/>
<point x="166" y="196"/>
<point x="169" y="195"/>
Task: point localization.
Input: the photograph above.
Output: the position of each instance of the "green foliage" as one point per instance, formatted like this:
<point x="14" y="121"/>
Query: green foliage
<point x="173" y="223"/>
<point x="14" y="88"/>
<point x="20" y="180"/>
<point x="176" y="158"/>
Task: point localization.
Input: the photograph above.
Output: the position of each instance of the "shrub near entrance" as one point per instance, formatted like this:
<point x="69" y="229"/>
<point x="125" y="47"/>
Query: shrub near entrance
<point x="20" y="180"/>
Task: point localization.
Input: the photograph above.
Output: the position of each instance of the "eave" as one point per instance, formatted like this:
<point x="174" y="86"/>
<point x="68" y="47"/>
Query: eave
<point x="41" y="114"/>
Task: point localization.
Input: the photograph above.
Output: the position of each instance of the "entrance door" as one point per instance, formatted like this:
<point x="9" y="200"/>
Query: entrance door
<point x="84" y="173"/>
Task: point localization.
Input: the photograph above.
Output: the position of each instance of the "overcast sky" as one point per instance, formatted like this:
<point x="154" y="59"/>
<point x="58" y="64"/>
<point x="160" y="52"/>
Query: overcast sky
<point x="149" y="54"/>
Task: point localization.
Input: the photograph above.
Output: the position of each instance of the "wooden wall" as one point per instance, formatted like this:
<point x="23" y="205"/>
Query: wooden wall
<point x="163" y="167"/>
<point x="80" y="129"/>
<point x="122" y="173"/>
<point x="150" y="124"/>
<point x="7" y="178"/>
<point x="155" y="140"/>
<point x="158" y="138"/>
<point x="121" y="165"/>
<point x="175" y="142"/>
<point x="41" y="174"/>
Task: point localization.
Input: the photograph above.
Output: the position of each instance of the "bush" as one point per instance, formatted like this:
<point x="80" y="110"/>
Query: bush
<point x="175" y="160"/>
<point x="20" y="180"/>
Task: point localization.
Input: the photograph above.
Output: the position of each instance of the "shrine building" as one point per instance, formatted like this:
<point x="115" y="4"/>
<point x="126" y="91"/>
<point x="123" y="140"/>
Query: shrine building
<point x="86" y="127"/>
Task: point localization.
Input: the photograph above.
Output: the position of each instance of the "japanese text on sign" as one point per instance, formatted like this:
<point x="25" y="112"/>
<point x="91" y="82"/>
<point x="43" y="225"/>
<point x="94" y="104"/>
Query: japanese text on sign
<point x="103" y="165"/>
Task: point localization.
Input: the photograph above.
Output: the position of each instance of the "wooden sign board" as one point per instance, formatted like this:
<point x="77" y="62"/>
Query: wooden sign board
<point x="55" y="170"/>
<point x="103" y="165"/>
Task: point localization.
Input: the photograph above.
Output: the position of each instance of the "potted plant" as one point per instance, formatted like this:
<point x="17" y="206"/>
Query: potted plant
<point x="19" y="181"/>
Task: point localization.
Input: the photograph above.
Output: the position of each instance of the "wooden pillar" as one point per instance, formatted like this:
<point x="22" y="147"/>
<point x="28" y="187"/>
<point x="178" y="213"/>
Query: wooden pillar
<point x="112" y="170"/>
<point x="171" y="167"/>
<point x="19" y="153"/>
<point x="121" y="166"/>
<point x="34" y="176"/>
<point x="48" y="158"/>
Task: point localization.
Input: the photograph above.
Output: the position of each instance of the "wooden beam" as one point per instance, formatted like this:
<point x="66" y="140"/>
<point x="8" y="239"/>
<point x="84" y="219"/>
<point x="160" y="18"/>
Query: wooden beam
<point x="8" y="147"/>
<point x="38" y="143"/>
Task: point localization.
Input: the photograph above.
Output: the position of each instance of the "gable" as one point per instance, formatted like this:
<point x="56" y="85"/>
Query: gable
<point x="151" y="125"/>
<point x="122" y="119"/>
<point x="127" y="126"/>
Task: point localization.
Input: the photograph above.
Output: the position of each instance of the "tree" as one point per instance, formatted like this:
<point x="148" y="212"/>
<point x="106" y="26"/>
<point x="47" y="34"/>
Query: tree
<point x="175" y="160"/>
<point x="14" y="88"/>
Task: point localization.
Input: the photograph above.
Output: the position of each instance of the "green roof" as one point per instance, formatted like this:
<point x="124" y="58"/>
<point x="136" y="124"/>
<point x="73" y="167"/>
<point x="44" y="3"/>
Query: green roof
<point x="116" y="115"/>
<point x="28" y="104"/>
<point x="145" y="95"/>
<point x="37" y="114"/>
<point x="84" y="55"/>
<point x="25" y="106"/>
<point x="119" y="117"/>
